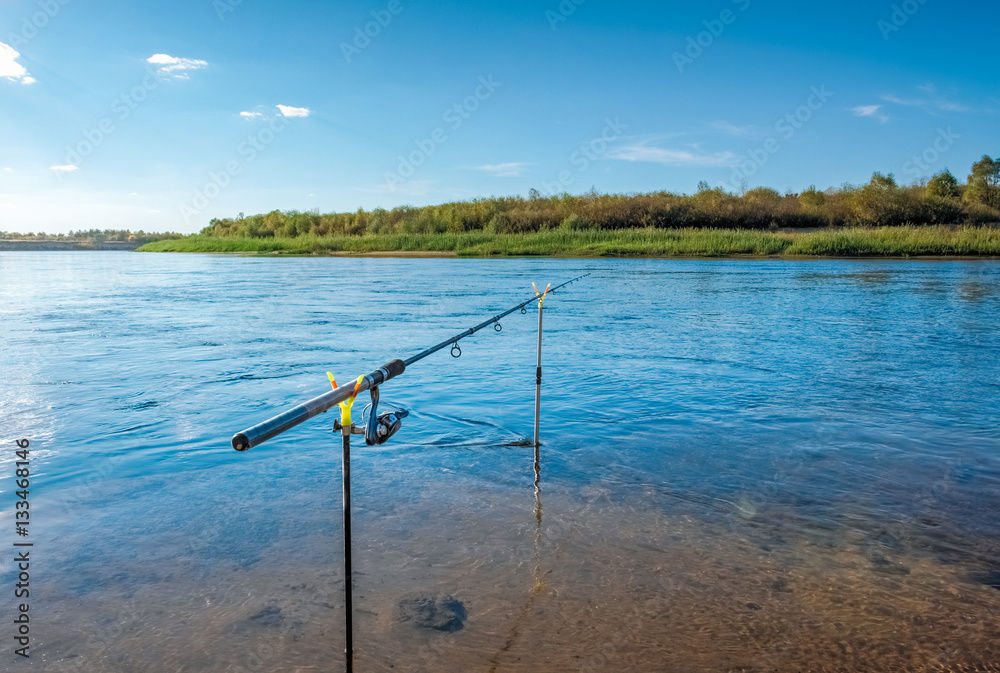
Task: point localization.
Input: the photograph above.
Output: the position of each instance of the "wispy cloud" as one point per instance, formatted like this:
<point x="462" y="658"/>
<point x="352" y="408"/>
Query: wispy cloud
<point x="731" y="129"/>
<point x="646" y="150"/>
<point x="171" y="66"/>
<point x="251" y="115"/>
<point x="68" y="168"/>
<point x="288" y="111"/>
<point x="10" y="68"/>
<point x="508" y="170"/>
<point x="932" y="104"/>
<point x="870" y="111"/>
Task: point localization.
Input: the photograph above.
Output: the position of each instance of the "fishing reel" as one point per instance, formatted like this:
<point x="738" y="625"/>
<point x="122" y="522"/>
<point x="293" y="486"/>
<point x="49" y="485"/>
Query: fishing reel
<point x="380" y="427"/>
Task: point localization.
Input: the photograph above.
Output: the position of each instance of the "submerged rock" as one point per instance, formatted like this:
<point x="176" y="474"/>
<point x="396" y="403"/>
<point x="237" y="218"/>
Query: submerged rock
<point x="881" y="564"/>
<point x="269" y="616"/>
<point x="439" y="612"/>
<point x="990" y="578"/>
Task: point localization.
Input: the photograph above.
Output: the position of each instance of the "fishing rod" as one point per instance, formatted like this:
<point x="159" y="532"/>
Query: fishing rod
<point x="272" y="427"/>
<point x="380" y="427"/>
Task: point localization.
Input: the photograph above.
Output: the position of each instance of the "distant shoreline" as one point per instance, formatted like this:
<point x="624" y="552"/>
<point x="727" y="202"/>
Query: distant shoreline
<point x="12" y="245"/>
<point x="886" y="242"/>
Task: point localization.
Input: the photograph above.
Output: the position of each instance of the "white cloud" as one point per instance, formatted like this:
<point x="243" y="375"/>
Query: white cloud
<point x="731" y="129"/>
<point x="902" y="101"/>
<point x="865" y="110"/>
<point x="508" y="170"/>
<point x="171" y="66"/>
<point x="9" y="169"/>
<point x="251" y="115"/>
<point x="68" y="168"/>
<point x="931" y="105"/>
<point x="294" y="111"/>
<point x="870" y="111"/>
<point x="10" y="68"/>
<point x="647" y="151"/>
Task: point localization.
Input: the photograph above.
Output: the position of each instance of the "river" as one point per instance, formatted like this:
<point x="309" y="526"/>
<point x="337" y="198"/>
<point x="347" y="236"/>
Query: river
<point x="745" y="465"/>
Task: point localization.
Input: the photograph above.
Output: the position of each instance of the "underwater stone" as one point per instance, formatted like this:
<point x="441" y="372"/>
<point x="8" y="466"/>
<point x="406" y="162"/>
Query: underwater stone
<point x="269" y="616"/>
<point x="990" y="578"/>
<point x="881" y="564"/>
<point x="440" y="612"/>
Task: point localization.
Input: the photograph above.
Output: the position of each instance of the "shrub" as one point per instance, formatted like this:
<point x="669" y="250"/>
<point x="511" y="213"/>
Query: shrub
<point x="943" y="186"/>
<point x="573" y="223"/>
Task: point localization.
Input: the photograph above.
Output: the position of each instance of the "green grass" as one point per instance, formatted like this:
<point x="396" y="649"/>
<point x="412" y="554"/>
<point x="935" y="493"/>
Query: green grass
<point x="306" y="245"/>
<point x="899" y="242"/>
<point x="883" y="242"/>
<point x="619" y="243"/>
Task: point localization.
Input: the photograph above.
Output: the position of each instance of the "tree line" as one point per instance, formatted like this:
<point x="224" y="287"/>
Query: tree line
<point x="880" y="202"/>
<point x="94" y="235"/>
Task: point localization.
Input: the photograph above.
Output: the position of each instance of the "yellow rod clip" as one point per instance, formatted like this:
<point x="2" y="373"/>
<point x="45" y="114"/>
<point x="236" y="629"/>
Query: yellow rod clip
<point x="345" y="406"/>
<point x="541" y="296"/>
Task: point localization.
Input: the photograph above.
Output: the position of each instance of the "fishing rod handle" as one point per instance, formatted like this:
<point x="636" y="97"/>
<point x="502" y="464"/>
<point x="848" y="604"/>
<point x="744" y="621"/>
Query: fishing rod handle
<point x="272" y="427"/>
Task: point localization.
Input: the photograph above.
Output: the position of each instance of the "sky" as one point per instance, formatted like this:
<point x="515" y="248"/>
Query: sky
<point x="162" y="116"/>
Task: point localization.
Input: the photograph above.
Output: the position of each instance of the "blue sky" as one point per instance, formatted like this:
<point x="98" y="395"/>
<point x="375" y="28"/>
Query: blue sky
<point x="161" y="116"/>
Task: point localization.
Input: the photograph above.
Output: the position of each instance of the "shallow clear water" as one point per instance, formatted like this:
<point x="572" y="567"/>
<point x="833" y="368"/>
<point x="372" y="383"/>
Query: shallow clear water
<point x="747" y="465"/>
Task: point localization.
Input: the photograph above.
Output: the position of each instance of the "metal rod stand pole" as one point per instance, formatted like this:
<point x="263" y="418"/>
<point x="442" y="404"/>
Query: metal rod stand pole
<point x="348" y="574"/>
<point x="538" y="373"/>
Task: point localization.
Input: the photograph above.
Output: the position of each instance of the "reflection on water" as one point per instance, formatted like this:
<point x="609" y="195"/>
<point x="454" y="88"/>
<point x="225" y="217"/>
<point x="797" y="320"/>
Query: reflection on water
<point x="749" y="466"/>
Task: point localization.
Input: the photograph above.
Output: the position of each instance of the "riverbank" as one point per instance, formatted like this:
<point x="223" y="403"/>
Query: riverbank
<point x="930" y="241"/>
<point x="65" y="244"/>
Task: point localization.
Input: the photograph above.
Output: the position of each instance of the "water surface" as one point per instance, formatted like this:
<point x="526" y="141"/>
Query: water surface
<point x="747" y="465"/>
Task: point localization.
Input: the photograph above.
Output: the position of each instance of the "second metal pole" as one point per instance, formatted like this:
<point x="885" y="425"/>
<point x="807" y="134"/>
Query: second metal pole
<point x="348" y="574"/>
<point x="538" y="372"/>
